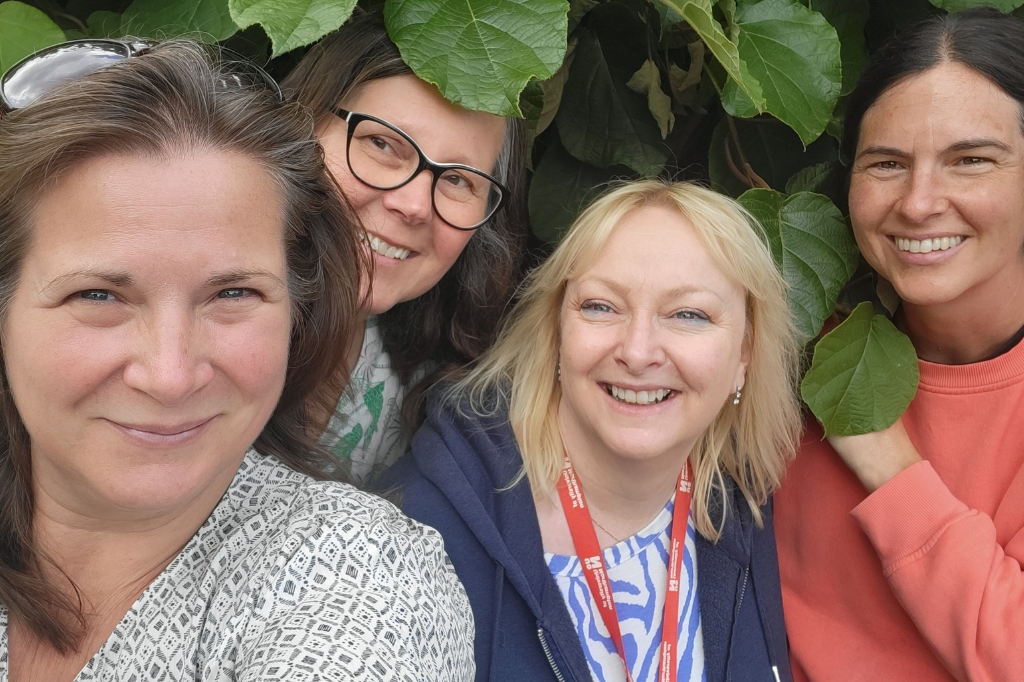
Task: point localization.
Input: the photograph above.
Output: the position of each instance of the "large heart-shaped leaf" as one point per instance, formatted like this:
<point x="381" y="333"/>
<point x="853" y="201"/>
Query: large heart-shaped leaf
<point x="848" y="17"/>
<point x="562" y="187"/>
<point x="697" y="14"/>
<point x="957" y="5"/>
<point x="209" y="19"/>
<point x="795" y="55"/>
<point x="863" y="376"/>
<point x="23" y="30"/>
<point x="813" y="248"/>
<point x="601" y="121"/>
<point x="291" y="23"/>
<point x="480" y="53"/>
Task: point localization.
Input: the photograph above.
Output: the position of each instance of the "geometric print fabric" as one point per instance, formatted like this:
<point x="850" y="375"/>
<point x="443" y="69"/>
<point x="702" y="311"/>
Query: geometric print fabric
<point x="294" y="579"/>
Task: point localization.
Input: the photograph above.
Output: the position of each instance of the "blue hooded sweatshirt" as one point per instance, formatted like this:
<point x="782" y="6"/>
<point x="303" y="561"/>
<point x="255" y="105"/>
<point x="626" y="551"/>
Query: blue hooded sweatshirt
<point x="456" y="479"/>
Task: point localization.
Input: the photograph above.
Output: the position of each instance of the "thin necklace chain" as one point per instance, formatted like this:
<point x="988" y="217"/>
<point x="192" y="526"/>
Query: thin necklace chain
<point x="607" y="532"/>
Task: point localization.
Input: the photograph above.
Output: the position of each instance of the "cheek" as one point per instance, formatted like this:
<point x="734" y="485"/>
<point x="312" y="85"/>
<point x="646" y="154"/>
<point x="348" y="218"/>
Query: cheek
<point x="259" y="370"/>
<point x="449" y="244"/>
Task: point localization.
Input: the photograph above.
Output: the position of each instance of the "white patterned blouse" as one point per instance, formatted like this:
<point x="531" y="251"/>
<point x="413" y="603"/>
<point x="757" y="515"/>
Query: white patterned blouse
<point x="294" y="579"/>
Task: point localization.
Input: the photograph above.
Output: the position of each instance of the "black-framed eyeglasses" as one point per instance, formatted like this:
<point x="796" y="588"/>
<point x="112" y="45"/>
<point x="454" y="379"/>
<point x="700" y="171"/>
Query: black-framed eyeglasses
<point x="383" y="157"/>
<point x="51" y="67"/>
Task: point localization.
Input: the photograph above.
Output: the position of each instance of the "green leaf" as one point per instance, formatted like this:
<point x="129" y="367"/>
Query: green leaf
<point x="771" y="148"/>
<point x="795" y="55"/>
<point x="104" y="24"/>
<point x="291" y="23"/>
<point x="697" y="14"/>
<point x="210" y="19"/>
<point x="863" y="376"/>
<point x="957" y="5"/>
<point x="813" y="247"/>
<point x="818" y="178"/>
<point x="23" y="30"/>
<point x="647" y="81"/>
<point x="480" y="53"/>
<point x="848" y="17"/>
<point x="601" y="121"/>
<point x="562" y="186"/>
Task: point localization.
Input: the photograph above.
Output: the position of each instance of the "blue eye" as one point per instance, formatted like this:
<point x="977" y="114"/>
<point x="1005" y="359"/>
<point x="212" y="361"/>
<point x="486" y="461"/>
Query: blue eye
<point x="595" y="307"/>
<point x="100" y="295"/>
<point x="691" y="315"/>
<point x="232" y="293"/>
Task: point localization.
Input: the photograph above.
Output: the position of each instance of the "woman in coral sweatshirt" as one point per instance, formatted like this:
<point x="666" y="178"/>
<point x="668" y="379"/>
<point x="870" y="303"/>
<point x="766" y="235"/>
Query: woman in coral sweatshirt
<point x="901" y="551"/>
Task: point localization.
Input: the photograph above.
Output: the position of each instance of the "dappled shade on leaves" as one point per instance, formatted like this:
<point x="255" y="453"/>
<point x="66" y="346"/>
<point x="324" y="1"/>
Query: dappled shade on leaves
<point x="562" y="187"/>
<point x="601" y="121"/>
<point x="813" y="248"/>
<point x="207" y="19"/>
<point x="23" y="30"/>
<point x="291" y="23"/>
<point x="863" y="376"/>
<point x="795" y="55"/>
<point x="480" y="53"/>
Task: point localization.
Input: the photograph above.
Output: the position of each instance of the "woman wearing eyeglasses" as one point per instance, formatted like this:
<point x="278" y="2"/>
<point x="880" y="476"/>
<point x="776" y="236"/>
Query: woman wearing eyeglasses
<point x="440" y="193"/>
<point x="177" y="277"/>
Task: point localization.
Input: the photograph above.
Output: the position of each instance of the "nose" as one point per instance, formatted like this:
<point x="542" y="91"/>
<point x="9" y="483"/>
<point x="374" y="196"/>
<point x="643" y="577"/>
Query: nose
<point x="639" y="347"/>
<point x="169" y="364"/>
<point x="413" y="200"/>
<point x="924" y="195"/>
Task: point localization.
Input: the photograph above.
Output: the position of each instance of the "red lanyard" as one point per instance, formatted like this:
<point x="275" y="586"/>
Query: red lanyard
<point x="584" y="539"/>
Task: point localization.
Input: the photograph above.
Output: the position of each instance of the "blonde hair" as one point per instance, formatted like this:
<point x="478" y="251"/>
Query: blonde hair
<point x="752" y="441"/>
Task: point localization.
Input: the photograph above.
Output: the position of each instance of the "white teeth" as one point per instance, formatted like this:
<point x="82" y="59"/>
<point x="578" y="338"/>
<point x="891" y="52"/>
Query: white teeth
<point x="638" y="397"/>
<point x="927" y="245"/>
<point x="380" y="246"/>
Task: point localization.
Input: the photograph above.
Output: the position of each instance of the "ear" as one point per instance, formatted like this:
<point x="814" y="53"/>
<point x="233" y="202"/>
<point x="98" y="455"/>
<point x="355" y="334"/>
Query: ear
<point x="741" y="370"/>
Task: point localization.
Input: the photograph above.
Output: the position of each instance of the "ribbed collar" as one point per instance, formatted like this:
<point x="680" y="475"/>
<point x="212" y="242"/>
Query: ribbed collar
<point x="1006" y="368"/>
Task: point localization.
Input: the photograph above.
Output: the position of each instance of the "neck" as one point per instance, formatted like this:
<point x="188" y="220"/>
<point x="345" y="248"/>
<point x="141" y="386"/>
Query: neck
<point x="962" y="333"/>
<point x="624" y="494"/>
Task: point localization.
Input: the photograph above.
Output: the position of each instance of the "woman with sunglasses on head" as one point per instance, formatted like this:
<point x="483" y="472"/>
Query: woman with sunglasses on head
<point x="439" y="191"/>
<point x="177" y="277"/>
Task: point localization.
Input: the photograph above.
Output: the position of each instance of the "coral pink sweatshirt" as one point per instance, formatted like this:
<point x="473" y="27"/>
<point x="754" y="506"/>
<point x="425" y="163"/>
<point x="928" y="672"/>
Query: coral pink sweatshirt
<point x="921" y="580"/>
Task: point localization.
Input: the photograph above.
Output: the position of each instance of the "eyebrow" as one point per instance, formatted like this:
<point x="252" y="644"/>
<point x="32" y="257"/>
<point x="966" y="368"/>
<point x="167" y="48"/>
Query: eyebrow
<point x="671" y="293"/>
<point x="961" y="146"/>
<point x="123" y="279"/>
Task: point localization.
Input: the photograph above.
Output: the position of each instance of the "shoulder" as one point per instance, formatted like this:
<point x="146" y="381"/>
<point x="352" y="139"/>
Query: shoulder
<point x="348" y="573"/>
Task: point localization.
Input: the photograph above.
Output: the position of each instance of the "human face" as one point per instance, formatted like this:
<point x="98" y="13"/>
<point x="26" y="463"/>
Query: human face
<point x="653" y="314"/>
<point x="146" y="343"/>
<point x="402" y="220"/>
<point x="940" y="166"/>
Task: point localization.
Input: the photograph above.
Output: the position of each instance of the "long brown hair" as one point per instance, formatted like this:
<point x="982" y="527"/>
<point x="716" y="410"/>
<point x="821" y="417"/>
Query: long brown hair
<point x="456" y="320"/>
<point x="177" y="97"/>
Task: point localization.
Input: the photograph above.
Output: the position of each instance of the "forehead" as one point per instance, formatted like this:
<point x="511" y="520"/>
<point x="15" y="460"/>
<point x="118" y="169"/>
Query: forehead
<point x="200" y="208"/>
<point x="942" y="105"/>
<point x="445" y="131"/>
<point x="656" y="252"/>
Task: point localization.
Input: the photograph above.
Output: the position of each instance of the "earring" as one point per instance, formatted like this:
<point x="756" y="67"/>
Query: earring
<point x="736" y="398"/>
<point x="559" y="371"/>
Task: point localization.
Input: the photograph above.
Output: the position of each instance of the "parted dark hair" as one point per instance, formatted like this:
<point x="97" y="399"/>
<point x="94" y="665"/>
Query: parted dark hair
<point x="983" y="39"/>
<point x="176" y="99"/>
<point x="456" y="320"/>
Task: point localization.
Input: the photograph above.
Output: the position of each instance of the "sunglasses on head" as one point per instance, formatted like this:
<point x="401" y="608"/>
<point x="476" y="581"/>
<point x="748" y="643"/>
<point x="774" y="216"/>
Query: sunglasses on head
<point x="54" y="66"/>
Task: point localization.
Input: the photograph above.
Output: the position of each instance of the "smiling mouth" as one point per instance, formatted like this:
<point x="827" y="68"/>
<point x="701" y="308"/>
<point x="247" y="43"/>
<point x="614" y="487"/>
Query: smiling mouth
<point x="927" y="245"/>
<point x="631" y="397"/>
<point x="382" y="248"/>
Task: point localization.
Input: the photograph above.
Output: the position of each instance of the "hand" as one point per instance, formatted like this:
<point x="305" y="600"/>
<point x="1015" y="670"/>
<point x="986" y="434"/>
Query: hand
<point x="876" y="457"/>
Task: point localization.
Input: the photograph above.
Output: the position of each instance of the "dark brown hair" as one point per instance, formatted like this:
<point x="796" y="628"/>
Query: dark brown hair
<point x="982" y="39"/>
<point x="179" y="97"/>
<point x="455" y="321"/>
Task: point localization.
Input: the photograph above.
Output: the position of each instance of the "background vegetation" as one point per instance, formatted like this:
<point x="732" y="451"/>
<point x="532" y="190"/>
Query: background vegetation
<point x="745" y="94"/>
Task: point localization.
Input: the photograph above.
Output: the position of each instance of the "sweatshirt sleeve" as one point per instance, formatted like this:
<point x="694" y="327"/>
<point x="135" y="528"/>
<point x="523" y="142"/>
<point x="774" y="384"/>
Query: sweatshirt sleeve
<point x="945" y="565"/>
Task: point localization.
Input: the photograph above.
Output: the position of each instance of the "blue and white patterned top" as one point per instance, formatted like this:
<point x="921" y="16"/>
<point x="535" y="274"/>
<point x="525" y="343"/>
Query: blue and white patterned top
<point x="638" y="569"/>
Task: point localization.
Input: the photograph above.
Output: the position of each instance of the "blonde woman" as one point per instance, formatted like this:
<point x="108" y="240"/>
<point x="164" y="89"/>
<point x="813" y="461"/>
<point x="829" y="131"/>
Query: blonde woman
<point x="638" y="405"/>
